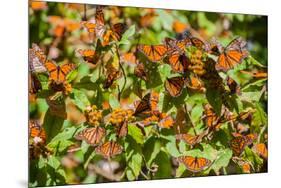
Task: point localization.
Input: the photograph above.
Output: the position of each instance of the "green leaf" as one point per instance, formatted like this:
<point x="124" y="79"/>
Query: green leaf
<point x="136" y="133"/>
<point x="80" y="99"/>
<point x="180" y="170"/>
<point x="222" y="160"/>
<point x="151" y="148"/>
<point x="113" y="102"/>
<point x="52" y="125"/>
<point x="53" y="162"/>
<point x="215" y="99"/>
<point x="128" y="33"/>
<point x="164" y="166"/>
<point x="196" y="113"/>
<point x="133" y="157"/>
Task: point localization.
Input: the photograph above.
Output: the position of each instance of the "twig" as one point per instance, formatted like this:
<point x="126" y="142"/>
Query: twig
<point x="145" y="176"/>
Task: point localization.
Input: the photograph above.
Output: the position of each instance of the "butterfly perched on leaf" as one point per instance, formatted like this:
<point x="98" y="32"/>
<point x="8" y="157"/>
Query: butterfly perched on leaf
<point x="109" y="149"/>
<point x="89" y="55"/>
<point x="175" y="85"/>
<point x="232" y="55"/>
<point x="191" y="139"/>
<point x="115" y="33"/>
<point x="195" y="164"/>
<point x="196" y="42"/>
<point x="162" y="120"/>
<point x="92" y="136"/>
<point x="154" y="53"/>
<point x="179" y="62"/>
<point x="239" y="142"/>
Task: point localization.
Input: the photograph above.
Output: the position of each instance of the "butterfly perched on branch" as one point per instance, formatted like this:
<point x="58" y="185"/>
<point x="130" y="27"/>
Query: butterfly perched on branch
<point x="195" y="164"/>
<point x="191" y="139"/>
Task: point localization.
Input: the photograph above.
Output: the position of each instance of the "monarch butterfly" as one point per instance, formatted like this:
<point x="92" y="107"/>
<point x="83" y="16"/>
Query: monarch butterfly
<point x="196" y="84"/>
<point x="179" y="62"/>
<point x="166" y="121"/>
<point x="212" y="120"/>
<point x="147" y="19"/>
<point x="261" y="150"/>
<point x="115" y="33"/>
<point x="233" y="86"/>
<point x="195" y="164"/>
<point x="35" y="84"/>
<point x="232" y="54"/>
<point x="239" y="142"/>
<point x="37" y="132"/>
<point x="36" y="59"/>
<point x="89" y="25"/>
<point x="89" y="55"/>
<point x="255" y="74"/>
<point x="92" y="136"/>
<point x="112" y="75"/>
<point x="191" y="139"/>
<point x="122" y="129"/>
<point x="147" y="104"/>
<point x="58" y="73"/>
<point x="196" y="42"/>
<point x="109" y="149"/>
<point x="99" y="21"/>
<point x="140" y="72"/>
<point x="174" y="86"/>
<point x="153" y="52"/>
<point x="178" y="45"/>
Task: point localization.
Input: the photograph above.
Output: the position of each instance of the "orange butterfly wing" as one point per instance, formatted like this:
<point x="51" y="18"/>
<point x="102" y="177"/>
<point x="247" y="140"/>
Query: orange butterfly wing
<point x="109" y="149"/>
<point x="92" y="136"/>
<point x="143" y="105"/>
<point x="261" y="150"/>
<point x="139" y="71"/>
<point x="36" y="130"/>
<point x="118" y="30"/>
<point x="166" y="121"/>
<point x="174" y="86"/>
<point x="153" y="52"/>
<point x="179" y="62"/>
<point x="188" y="138"/>
<point x="88" y="55"/>
<point x="195" y="164"/>
<point x="238" y="145"/>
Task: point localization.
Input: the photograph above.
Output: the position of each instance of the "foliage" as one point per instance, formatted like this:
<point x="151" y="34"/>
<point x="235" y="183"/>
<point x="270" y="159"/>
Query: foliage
<point x="105" y="93"/>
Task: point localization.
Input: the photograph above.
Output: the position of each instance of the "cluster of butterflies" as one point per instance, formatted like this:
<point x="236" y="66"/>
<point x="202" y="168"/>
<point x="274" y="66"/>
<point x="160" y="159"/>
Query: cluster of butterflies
<point x="173" y="53"/>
